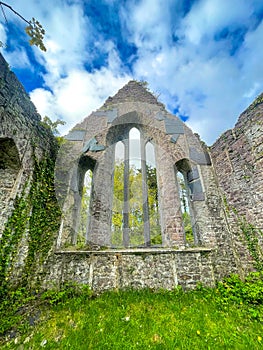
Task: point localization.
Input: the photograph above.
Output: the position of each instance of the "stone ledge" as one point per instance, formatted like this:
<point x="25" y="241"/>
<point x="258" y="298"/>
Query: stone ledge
<point x="136" y="251"/>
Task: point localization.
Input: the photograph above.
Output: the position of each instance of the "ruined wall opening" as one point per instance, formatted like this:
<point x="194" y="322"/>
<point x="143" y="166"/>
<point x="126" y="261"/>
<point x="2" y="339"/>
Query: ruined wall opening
<point x="136" y="193"/>
<point x="182" y="170"/>
<point x="9" y="167"/>
<point x="118" y="196"/>
<point x="83" y="200"/>
<point x="153" y="195"/>
<point x="135" y="207"/>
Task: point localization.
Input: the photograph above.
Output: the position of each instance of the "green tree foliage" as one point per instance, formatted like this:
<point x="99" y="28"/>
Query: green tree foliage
<point x="53" y="126"/>
<point x="33" y="29"/>
<point x="136" y="221"/>
<point x="188" y="230"/>
<point x="153" y="203"/>
<point x="118" y="197"/>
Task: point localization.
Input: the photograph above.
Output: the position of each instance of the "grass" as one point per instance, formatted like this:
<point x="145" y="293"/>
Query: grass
<point x="227" y="317"/>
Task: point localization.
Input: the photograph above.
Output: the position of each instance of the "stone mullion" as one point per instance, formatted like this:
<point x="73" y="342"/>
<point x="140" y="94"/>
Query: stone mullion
<point x="146" y="221"/>
<point x="126" y="196"/>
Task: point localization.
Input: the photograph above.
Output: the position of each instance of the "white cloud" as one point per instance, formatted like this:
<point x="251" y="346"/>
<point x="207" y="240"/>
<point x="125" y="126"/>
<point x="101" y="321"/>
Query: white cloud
<point x="18" y="58"/>
<point x="207" y="17"/>
<point x="2" y="34"/>
<point x="197" y="74"/>
<point x="77" y="95"/>
<point x="209" y="80"/>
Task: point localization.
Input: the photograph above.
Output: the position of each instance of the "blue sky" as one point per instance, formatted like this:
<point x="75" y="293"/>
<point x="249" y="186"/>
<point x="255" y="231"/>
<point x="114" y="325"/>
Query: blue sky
<point x="204" y="58"/>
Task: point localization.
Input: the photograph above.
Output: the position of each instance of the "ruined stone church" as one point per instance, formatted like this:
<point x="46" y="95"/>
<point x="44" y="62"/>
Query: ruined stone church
<point x="142" y="201"/>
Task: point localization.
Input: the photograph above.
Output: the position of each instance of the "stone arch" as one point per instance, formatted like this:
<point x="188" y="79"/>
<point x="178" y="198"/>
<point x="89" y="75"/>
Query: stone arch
<point x="10" y="165"/>
<point x="153" y="193"/>
<point x="9" y="156"/>
<point x="85" y="164"/>
<point x="193" y="192"/>
<point x="121" y="132"/>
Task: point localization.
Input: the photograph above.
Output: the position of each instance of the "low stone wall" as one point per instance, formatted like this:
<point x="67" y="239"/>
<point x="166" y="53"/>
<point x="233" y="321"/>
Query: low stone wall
<point x="140" y="268"/>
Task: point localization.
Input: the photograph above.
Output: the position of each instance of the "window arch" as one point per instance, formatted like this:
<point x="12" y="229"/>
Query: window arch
<point x="118" y="196"/>
<point x="183" y="170"/>
<point x="153" y="197"/>
<point x="136" y="190"/>
<point x="9" y="168"/>
<point x="135" y="182"/>
<point x="85" y="209"/>
<point x="83" y="201"/>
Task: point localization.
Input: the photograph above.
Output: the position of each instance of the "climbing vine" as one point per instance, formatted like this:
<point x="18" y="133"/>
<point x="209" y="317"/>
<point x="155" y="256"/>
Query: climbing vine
<point x="11" y="236"/>
<point x="250" y="234"/>
<point x="36" y="214"/>
<point x="45" y="216"/>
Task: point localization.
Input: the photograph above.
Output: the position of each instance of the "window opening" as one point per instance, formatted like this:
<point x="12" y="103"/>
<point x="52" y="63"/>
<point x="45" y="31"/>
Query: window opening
<point x="136" y="217"/>
<point x="153" y="204"/>
<point x="85" y="209"/>
<point x="9" y="169"/>
<point x="135" y="209"/>
<point x="118" y="196"/>
<point x="185" y="209"/>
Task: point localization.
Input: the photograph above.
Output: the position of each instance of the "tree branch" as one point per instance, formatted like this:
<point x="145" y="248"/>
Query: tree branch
<point x="18" y="14"/>
<point x="34" y="28"/>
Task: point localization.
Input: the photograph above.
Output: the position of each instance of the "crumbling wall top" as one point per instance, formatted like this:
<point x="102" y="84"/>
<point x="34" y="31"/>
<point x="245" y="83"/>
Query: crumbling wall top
<point x="134" y="91"/>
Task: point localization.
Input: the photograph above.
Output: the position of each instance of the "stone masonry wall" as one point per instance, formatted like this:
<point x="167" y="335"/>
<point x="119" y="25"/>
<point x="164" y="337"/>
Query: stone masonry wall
<point x="20" y="129"/>
<point x="176" y="149"/>
<point x="156" y="269"/>
<point x="24" y="141"/>
<point x="238" y="161"/>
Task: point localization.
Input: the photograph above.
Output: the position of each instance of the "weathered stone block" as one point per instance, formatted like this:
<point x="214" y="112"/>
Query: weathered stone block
<point x="174" y="126"/>
<point x="76" y="135"/>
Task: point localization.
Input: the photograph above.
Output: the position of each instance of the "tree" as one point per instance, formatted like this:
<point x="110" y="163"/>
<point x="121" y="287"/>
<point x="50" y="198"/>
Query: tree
<point x="53" y="126"/>
<point x="153" y="202"/>
<point x="136" y="221"/>
<point x="34" y="29"/>
<point x="188" y="230"/>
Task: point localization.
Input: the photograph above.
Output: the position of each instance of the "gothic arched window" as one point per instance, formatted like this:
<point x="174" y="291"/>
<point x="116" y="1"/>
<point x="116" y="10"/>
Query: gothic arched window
<point x="135" y="209"/>
<point x="182" y="171"/>
<point x="85" y="209"/>
<point x="83" y="201"/>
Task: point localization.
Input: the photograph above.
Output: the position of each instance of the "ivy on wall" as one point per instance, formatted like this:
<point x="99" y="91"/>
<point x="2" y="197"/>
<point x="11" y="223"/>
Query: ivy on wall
<point x="36" y="212"/>
<point x="45" y="216"/>
<point x="12" y="234"/>
<point x="250" y="234"/>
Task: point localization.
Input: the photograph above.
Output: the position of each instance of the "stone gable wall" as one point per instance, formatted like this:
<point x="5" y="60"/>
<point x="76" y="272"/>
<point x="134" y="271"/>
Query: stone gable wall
<point x="133" y="92"/>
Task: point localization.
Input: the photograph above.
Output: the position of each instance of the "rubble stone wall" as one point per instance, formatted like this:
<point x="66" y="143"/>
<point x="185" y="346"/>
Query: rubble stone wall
<point x="20" y="132"/>
<point x="238" y="162"/>
<point x="24" y="143"/>
<point x="156" y="269"/>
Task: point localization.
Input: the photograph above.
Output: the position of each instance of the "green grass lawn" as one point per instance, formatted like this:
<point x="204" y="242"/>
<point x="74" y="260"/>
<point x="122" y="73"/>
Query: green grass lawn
<point x="228" y="317"/>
